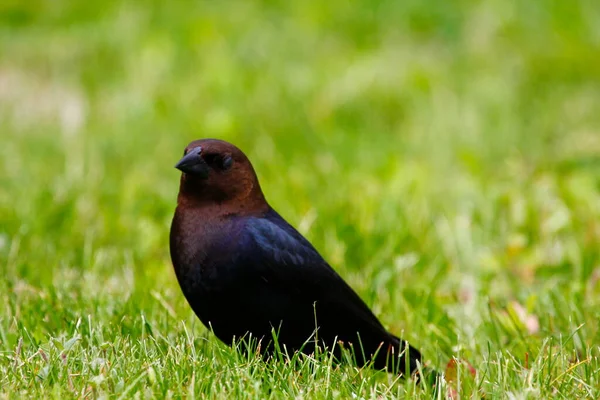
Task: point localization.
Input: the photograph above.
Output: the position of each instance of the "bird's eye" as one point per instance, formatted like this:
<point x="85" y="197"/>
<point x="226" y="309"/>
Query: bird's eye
<point x="184" y="152"/>
<point x="227" y="162"/>
<point x="220" y="162"/>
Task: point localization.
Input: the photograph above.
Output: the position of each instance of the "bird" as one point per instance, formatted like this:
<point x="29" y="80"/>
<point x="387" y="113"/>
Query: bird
<point x="247" y="273"/>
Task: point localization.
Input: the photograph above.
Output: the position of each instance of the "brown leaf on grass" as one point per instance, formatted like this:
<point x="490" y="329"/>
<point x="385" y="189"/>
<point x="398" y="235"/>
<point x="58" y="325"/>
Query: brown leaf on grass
<point x="451" y="373"/>
<point x="452" y="369"/>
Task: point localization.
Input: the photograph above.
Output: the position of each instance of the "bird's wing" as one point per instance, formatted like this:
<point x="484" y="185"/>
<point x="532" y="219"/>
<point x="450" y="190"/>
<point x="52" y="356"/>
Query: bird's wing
<point x="285" y="259"/>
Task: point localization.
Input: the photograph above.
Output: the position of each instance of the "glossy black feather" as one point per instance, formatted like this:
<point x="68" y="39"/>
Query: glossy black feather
<point x="246" y="272"/>
<point x="260" y="274"/>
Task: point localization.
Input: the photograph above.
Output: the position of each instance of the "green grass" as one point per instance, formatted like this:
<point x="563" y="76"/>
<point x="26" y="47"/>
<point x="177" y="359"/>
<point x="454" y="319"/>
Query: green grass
<point x="444" y="158"/>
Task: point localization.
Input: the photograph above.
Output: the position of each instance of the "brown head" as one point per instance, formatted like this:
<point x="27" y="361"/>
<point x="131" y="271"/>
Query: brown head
<point x="215" y="172"/>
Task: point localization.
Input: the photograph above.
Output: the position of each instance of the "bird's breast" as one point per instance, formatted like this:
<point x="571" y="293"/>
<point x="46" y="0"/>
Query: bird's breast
<point x="202" y="251"/>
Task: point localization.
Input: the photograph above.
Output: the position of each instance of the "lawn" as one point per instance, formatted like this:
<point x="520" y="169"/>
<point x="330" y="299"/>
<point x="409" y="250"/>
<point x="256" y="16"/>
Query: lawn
<point x="443" y="157"/>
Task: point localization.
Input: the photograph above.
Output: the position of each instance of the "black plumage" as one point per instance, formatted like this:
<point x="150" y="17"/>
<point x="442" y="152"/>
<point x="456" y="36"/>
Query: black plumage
<point x="244" y="270"/>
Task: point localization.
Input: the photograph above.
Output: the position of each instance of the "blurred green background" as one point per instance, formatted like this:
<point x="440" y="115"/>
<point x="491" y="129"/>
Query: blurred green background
<point x="444" y="157"/>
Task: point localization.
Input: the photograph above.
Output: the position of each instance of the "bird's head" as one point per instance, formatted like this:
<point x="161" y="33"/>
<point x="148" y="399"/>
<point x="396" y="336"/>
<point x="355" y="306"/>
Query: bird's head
<point x="217" y="172"/>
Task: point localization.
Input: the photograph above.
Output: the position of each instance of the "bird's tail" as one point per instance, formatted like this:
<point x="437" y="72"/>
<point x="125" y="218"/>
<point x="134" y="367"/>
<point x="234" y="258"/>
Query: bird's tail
<point x="397" y="356"/>
<point x="403" y="359"/>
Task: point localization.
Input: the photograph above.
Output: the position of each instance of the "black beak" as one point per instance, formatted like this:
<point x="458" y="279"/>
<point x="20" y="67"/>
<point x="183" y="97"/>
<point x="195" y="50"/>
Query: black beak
<point x="192" y="163"/>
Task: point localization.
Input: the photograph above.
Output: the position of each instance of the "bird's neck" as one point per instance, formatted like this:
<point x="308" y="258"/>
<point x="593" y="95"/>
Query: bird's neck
<point x="250" y="206"/>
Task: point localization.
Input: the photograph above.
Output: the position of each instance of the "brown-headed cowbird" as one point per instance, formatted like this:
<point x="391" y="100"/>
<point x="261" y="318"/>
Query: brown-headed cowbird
<point x="246" y="272"/>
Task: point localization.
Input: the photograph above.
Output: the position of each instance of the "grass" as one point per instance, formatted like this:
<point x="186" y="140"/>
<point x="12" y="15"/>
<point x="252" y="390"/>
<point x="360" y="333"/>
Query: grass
<point x="444" y="159"/>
